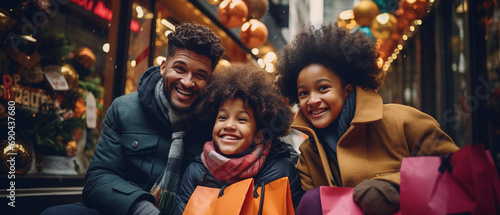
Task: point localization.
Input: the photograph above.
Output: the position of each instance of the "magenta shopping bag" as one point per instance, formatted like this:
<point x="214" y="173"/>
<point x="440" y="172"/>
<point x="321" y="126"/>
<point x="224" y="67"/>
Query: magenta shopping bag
<point x="339" y="201"/>
<point x="464" y="182"/>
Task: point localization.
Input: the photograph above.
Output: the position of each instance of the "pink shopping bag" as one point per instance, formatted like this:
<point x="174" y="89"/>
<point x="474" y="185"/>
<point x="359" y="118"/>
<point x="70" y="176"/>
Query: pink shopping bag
<point x="467" y="182"/>
<point x="339" y="201"/>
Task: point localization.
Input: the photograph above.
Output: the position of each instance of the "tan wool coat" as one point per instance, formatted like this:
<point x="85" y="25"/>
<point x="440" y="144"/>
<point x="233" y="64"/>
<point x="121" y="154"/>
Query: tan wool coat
<point x="379" y="137"/>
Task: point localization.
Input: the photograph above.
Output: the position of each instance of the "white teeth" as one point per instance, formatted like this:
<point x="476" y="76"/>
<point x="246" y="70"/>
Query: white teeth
<point x="227" y="137"/>
<point x="318" y="111"/>
<point x="184" y="92"/>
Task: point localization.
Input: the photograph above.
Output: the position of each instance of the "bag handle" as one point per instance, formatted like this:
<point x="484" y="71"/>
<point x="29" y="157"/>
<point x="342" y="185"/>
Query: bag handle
<point x="255" y="195"/>
<point x="221" y="192"/>
<point x="446" y="163"/>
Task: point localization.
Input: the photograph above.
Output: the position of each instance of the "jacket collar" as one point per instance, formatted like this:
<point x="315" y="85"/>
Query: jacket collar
<point x="368" y="109"/>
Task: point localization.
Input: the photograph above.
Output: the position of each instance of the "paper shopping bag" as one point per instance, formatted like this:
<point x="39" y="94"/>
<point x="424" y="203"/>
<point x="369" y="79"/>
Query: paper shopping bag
<point x="242" y="198"/>
<point x="465" y="183"/>
<point x="339" y="201"/>
<point x="277" y="199"/>
<point x="206" y="200"/>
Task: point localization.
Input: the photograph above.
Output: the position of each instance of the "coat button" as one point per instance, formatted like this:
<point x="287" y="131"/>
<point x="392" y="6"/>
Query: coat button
<point x="135" y="144"/>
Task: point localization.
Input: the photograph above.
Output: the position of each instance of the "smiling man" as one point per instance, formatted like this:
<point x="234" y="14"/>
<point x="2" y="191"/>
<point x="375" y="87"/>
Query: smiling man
<point x="140" y="157"/>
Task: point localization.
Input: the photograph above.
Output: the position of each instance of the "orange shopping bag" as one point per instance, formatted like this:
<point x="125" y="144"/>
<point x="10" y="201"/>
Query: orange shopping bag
<point x="242" y="198"/>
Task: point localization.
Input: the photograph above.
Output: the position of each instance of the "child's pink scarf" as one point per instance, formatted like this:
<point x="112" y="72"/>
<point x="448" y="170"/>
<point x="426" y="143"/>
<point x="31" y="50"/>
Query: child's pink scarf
<point x="234" y="169"/>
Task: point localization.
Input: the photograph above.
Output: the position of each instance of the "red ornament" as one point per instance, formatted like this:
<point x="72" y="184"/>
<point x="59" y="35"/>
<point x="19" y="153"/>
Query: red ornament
<point x="414" y="9"/>
<point x="253" y="33"/>
<point x="232" y="13"/>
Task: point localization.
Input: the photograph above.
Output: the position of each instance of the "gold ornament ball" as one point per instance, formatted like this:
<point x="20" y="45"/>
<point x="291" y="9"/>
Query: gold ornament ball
<point x="256" y="8"/>
<point x="85" y="57"/>
<point x="232" y="13"/>
<point x="365" y="11"/>
<point x="15" y="157"/>
<point x="253" y="33"/>
<point x="383" y="26"/>
<point x="71" y="148"/>
<point x="213" y="2"/>
<point x="71" y="76"/>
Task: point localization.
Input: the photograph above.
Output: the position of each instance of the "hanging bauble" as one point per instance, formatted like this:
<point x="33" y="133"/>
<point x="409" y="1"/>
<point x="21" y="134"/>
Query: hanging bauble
<point x="71" y="76"/>
<point x="346" y="20"/>
<point x="253" y="33"/>
<point x="33" y="75"/>
<point x="15" y="157"/>
<point x="367" y="31"/>
<point x="256" y="8"/>
<point x="364" y="12"/>
<point x="85" y="57"/>
<point x="387" y="6"/>
<point x="232" y="13"/>
<point x="213" y="2"/>
<point x="414" y="9"/>
<point x="383" y="26"/>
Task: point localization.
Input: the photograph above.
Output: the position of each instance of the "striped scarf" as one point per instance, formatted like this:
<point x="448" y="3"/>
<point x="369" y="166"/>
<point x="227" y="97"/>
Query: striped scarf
<point x="234" y="169"/>
<point x="165" y="188"/>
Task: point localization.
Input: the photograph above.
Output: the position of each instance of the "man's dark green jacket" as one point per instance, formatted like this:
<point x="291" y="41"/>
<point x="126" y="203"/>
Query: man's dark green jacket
<point x="132" y="150"/>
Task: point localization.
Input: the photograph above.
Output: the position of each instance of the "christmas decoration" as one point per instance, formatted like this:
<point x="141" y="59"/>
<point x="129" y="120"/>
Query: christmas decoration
<point x="414" y="9"/>
<point x="213" y="2"/>
<point x="253" y="33"/>
<point x="346" y="19"/>
<point x="256" y="8"/>
<point x="364" y="12"/>
<point x="85" y="57"/>
<point x="383" y="26"/>
<point x="71" y="76"/>
<point x="367" y="31"/>
<point x="71" y="148"/>
<point x="33" y="75"/>
<point x="387" y="6"/>
<point x="47" y="113"/>
<point x="15" y="156"/>
<point x="232" y="13"/>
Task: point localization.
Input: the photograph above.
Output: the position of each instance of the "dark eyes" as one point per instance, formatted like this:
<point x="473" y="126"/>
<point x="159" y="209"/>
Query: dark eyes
<point x="223" y="118"/>
<point x="323" y="87"/>
<point x="242" y="119"/>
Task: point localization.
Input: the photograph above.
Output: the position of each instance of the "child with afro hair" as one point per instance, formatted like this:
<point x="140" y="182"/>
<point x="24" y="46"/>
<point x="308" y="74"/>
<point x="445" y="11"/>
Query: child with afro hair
<point x="354" y="139"/>
<point x="246" y="115"/>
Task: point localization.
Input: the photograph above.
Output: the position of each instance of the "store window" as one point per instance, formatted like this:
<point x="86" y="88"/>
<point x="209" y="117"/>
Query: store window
<point x="492" y="22"/>
<point x="457" y="114"/>
<point x="141" y="26"/>
<point x="52" y="62"/>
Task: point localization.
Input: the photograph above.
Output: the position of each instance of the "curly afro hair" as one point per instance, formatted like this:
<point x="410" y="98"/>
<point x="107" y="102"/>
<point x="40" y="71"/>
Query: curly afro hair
<point x="257" y="90"/>
<point x="197" y="38"/>
<point x="351" y="55"/>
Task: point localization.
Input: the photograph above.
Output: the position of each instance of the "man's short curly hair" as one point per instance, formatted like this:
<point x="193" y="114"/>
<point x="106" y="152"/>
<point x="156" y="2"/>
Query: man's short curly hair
<point x="197" y="38"/>
<point x="257" y="90"/>
<point x="351" y="55"/>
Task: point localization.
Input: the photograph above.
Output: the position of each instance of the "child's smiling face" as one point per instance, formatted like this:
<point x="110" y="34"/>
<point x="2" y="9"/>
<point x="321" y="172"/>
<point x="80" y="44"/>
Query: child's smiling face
<point x="321" y="94"/>
<point x="235" y="127"/>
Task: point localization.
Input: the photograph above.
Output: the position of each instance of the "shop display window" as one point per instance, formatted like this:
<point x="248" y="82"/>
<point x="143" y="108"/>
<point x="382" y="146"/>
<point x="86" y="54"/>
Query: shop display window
<point x="52" y="60"/>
